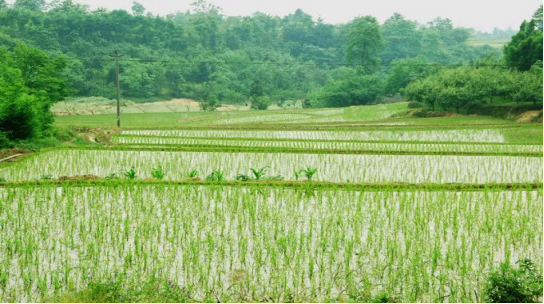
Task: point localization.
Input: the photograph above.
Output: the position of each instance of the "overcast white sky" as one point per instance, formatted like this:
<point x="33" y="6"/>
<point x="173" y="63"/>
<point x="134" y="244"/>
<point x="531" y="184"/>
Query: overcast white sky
<point x="478" y="14"/>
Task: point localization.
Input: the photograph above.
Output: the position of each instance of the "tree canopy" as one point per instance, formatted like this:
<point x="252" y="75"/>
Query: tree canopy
<point x="30" y="82"/>
<point x="203" y="54"/>
<point x="525" y="48"/>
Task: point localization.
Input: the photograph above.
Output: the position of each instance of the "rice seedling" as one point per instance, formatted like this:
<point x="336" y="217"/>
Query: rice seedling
<point x="489" y="135"/>
<point x="235" y="244"/>
<point x="326" y="145"/>
<point x="332" y="167"/>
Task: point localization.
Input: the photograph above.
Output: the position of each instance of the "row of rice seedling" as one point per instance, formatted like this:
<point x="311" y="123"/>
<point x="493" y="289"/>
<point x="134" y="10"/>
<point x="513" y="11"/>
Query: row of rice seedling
<point x="328" y="112"/>
<point x="330" y="145"/>
<point x="238" y="244"/>
<point x="277" y="118"/>
<point x="489" y="135"/>
<point x="331" y="167"/>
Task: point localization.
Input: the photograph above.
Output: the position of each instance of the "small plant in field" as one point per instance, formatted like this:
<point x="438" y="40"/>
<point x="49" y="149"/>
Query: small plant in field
<point x="157" y="173"/>
<point x="130" y="173"/>
<point x="258" y="173"/>
<point x="3" y="180"/>
<point x="216" y="176"/>
<point x="243" y="177"/>
<point x="309" y="173"/>
<point x="507" y="284"/>
<point x="297" y="174"/>
<point x="275" y="178"/>
<point x="46" y="177"/>
<point x="192" y="174"/>
<point x="112" y="176"/>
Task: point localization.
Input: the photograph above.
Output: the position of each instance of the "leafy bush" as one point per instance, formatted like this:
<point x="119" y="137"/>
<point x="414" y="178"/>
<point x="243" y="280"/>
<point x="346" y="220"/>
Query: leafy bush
<point x="415" y="105"/>
<point x="260" y="102"/>
<point x="4" y="141"/>
<point x="63" y="133"/>
<point x="19" y="119"/>
<point x="514" y="285"/>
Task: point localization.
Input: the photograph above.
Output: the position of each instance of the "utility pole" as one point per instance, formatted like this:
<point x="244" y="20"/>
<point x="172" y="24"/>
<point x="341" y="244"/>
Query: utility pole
<point x="117" y="56"/>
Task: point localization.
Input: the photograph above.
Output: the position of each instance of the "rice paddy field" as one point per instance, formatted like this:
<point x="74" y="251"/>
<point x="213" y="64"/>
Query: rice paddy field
<point x="333" y="205"/>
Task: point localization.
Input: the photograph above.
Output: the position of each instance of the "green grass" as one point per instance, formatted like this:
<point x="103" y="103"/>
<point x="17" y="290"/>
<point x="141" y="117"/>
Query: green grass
<point x="175" y="120"/>
<point x="523" y="135"/>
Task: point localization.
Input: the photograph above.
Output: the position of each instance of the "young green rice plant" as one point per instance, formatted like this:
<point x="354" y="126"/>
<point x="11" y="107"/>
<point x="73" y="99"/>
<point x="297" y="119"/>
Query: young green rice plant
<point x="3" y="180"/>
<point x="157" y="173"/>
<point x="236" y="243"/>
<point x="130" y="173"/>
<point x="46" y="177"/>
<point x="216" y="176"/>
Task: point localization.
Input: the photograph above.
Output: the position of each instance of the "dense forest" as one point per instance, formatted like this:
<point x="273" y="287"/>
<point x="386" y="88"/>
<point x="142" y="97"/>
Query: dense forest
<point x="49" y="51"/>
<point x="207" y="56"/>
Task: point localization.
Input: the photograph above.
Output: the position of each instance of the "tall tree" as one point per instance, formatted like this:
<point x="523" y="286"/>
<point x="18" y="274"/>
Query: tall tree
<point x="405" y="71"/>
<point x="138" y="9"/>
<point x="30" y="83"/>
<point x="537" y="17"/>
<point x="364" y="43"/>
<point x="31" y="5"/>
<point x="525" y="48"/>
<point x="401" y="37"/>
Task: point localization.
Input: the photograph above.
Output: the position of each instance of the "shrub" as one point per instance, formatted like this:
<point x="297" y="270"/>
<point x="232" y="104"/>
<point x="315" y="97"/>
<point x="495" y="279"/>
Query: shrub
<point x="415" y="105"/>
<point x="63" y="133"/>
<point x="514" y="285"/>
<point x="19" y="118"/>
<point x="4" y="141"/>
<point x="260" y="102"/>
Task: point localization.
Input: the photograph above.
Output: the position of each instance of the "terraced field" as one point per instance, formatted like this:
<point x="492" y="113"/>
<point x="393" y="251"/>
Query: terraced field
<point x="311" y="205"/>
